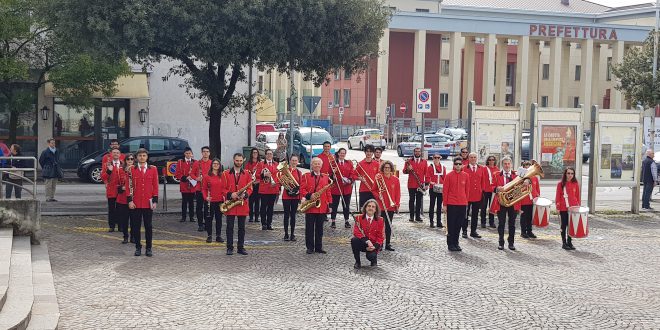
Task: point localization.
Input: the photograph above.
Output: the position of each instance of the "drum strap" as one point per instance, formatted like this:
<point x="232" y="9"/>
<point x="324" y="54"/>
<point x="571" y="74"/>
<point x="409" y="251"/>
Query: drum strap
<point x="436" y="173"/>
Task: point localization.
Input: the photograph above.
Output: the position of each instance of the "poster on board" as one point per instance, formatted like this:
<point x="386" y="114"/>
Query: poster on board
<point x="496" y="140"/>
<point x="558" y="149"/>
<point x="617" y="154"/>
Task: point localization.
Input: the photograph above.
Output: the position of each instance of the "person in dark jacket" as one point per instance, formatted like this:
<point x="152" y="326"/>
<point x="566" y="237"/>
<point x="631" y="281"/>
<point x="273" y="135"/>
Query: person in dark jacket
<point x="50" y="169"/>
<point x="649" y="178"/>
<point x="14" y="176"/>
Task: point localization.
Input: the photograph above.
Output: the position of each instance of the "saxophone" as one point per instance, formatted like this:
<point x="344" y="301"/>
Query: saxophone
<point x="315" y="201"/>
<point x="228" y="205"/>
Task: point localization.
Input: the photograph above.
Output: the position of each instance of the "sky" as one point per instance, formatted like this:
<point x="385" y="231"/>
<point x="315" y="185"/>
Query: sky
<point x="619" y="3"/>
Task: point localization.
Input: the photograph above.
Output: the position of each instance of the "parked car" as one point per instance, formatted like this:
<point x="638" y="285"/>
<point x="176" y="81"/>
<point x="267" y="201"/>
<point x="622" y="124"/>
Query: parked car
<point x="161" y="150"/>
<point x="457" y="133"/>
<point x="264" y="127"/>
<point x="366" y="136"/>
<point x="433" y="143"/>
<point x="308" y="142"/>
<point x="266" y="140"/>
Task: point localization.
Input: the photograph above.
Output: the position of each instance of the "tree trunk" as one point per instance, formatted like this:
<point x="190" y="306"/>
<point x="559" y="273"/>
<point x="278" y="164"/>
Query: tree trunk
<point x="215" y="121"/>
<point x="13" y="126"/>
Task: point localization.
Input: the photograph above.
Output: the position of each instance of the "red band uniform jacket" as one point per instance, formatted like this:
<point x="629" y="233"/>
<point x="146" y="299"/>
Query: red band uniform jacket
<point x="489" y="177"/>
<point x="374" y="230"/>
<point x="183" y="173"/>
<point x="325" y="167"/>
<point x="145" y="187"/>
<point x="200" y="167"/>
<point x="371" y="168"/>
<point x="297" y="174"/>
<point x="215" y="186"/>
<point x="394" y="188"/>
<point x="572" y="192"/>
<point x="108" y="158"/>
<point x="534" y="192"/>
<point x="112" y="179"/>
<point x="499" y="181"/>
<point x="435" y="174"/>
<point x="267" y="188"/>
<point x="234" y="183"/>
<point x="122" y="197"/>
<point x="312" y="184"/>
<point x="419" y="166"/>
<point x="477" y="182"/>
<point x="456" y="188"/>
<point x="347" y="171"/>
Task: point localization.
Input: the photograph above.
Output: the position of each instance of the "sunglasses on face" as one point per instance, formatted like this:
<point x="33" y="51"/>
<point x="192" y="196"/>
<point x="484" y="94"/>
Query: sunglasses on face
<point x="458" y="164"/>
<point x="435" y="157"/>
<point x="130" y="158"/>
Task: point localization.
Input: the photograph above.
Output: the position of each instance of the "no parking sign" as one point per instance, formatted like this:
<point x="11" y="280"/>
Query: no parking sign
<point x="423" y="100"/>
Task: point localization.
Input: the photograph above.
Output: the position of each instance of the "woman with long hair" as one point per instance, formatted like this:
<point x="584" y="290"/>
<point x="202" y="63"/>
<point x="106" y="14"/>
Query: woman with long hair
<point x="214" y="193"/>
<point x="389" y="198"/>
<point x="568" y="194"/>
<point x="121" y="207"/>
<point x="280" y="151"/>
<point x="367" y="233"/>
<point x="490" y="170"/>
<point x="253" y="201"/>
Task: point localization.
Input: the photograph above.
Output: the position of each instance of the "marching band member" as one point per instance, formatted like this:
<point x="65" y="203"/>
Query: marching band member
<point x="378" y="152"/>
<point x="123" y="213"/>
<point x="567" y="195"/>
<point x="291" y="202"/>
<point x="511" y="212"/>
<point x="251" y="165"/>
<point x="235" y="180"/>
<point x="464" y="156"/>
<point x="269" y="189"/>
<point x="213" y="192"/>
<point x="143" y="201"/>
<point x="490" y="170"/>
<point x="325" y="157"/>
<point x="344" y="180"/>
<point x="527" y="205"/>
<point x="313" y="182"/>
<point x="114" y="144"/>
<point x="476" y="183"/>
<point x="111" y="177"/>
<point x="183" y="170"/>
<point x="366" y="170"/>
<point x="418" y="166"/>
<point x="389" y="198"/>
<point x="367" y="234"/>
<point x="199" y="169"/>
<point x="455" y="201"/>
<point x="435" y="176"/>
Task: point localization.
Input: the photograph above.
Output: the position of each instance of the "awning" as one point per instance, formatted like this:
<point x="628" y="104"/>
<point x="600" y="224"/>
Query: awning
<point x="128" y="87"/>
<point x="265" y="109"/>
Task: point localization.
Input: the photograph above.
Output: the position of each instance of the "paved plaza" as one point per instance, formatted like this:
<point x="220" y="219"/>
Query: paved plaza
<point x="610" y="282"/>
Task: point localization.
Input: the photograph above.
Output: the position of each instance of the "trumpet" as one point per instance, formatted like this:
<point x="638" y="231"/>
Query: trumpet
<point x="420" y="185"/>
<point x="287" y="180"/>
<point x="363" y="174"/>
<point x="268" y="179"/>
<point x="315" y="200"/>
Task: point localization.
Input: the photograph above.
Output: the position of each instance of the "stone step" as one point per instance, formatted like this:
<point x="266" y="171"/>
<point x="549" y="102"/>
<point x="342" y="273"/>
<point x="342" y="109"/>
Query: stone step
<point x="15" y="314"/>
<point x="45" y="311"/>
<point x="6" y="237"/>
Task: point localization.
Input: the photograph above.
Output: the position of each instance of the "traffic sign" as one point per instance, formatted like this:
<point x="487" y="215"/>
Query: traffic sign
<point x="330" y="105"/>
<point x="367" y="113"/>
<point x="423" y="100"/>
<point x="341" y="111"/>
<point x="403" y="107"/>
<point x="311" y="102"/>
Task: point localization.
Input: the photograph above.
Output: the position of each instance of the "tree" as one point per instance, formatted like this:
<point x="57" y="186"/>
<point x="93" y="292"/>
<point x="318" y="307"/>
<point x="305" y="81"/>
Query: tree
<point x="32" y="54"/>
<point x="635" y="75"/>
<point x="214" y="40"/>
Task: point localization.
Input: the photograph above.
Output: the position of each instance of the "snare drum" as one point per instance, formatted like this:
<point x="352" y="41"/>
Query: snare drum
<point x="437" y="188"/>
<point x="541" y="212"/>
<point x="578" y="224"/>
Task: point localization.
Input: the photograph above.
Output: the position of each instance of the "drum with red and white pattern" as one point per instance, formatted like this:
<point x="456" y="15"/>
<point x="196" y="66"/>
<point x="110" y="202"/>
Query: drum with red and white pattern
<point x="578" y="224"/>
<point x="541" y="212"/>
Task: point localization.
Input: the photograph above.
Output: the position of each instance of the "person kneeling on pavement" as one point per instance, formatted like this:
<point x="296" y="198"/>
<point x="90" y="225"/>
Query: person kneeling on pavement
<point x="368" y="233"/>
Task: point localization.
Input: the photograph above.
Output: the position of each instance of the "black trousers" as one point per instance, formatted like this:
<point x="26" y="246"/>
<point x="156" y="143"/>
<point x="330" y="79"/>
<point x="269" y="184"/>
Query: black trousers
<point x="314" y="231"/>
<point x="485" y="205"/>
<point x="502" y="215"/>
<point x="364" y="196"/>
<point x="360" y="245"/>
<point x="563" y="215"/>
<point x="526" y="219"/>
<point x="138" y="216"/>
<point x="345" y="204"/>
<point x="230" y="232"/>
<point x="208" y="223"/>
<point x="17" y="189"/>
<point x="415" y="204"/>
<point x="267" y="203"/>
<point x="112" y="214"/>
<point x="254" y="200"/>
<point x="455" y="219"/>
<point x="201" y="208"/>
<point x="188" y="205"/>
<point x="435" y="208"/>
<point x="290" y="210"/>
<point x="121" y="210"/>
<point x="387" y="217"/>
<point x="473" y="210"/>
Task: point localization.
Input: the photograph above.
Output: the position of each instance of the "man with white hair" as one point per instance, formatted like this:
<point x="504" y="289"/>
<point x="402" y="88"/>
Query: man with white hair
<point x="312" y="183"/>
<point x="649" y="178"/>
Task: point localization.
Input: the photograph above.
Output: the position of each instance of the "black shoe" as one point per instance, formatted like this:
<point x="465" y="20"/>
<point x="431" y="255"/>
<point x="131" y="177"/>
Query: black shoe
<point x="500" y="247"/>
<point x="230" y="252"/>
<point x="264" y="227"/>
<point x="475" y="235"/>
<point x="321" y="252"/>
<point x="357" y="265"/>
<point x="511" y="247"/>
<point x="524" y="235"/>
<point x="257" y="220"/>
<point x="192" y="220"/>
<point x="347" y="224"/>
<point x="419" y="220"/>
<point x="200" y="228"/>
<point x="333" y="225"/>
<point x="483" y="225"/>
<point x="269" y="228"/>
<point x="250" y="220"/>
<point x="182" y="220"/>
<point x="374" y="263"/>
<point x="389" y="248"/>
<point x="452" y="248"/>
<point x="411" y="220"/>
<point x="565" y="246"/>
<point x="131" y="240"/>
<point x="440" y="225"/>
<point x="111" y="230"/>
<point x="286" y="237"/>
<point x="458" y="248"/>
<point x="125" y="241"/>
<point x="293" y="238"/>
<point x="464" y="235"/>
<point x="531" y="235"/>
<point x="148" y="253"/>
<point x="310" y="251"/>
<point x="138" y="252"/>
<point x="432" y="226"/>
<point x="242" y="252"/>
<point x="492" y="225"/>
<point x="570" y="246"/>
<point x="219" y="239"/>
<point x="209" y="239"/>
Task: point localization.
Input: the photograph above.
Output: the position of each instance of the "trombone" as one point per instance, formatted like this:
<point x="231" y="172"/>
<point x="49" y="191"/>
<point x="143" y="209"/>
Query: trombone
<point x="365" y="177"/>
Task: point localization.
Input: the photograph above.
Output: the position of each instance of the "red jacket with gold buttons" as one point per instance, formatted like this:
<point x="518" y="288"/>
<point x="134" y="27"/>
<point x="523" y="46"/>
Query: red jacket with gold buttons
<point x="311" y="184"/>
<point x="325" y="167"/>
<point x="348" y="172"/>
<point x="371" y="169"/>
<point x="435" y="174"/>
<point x="476" y="182"/>
<point x="111" y="179"/>
<point x="572" y="194"/>
<point x="200" y="169"/>
<point x="499" y="181"/>
<point x="145" y="187"/>
<point x="183" y="173"/>
<point x="489" y="177"/>
<point x="535" y="192"/>
<point x="215" y="185"/>
<point x="456" y="189"/>
<point x="268" y="188"/>
<point x="234" y="183"/>
<point x="393" y="188"/>
<point x="297" y="174"/>
<point x="420" y="169"/>
<point x="374" y="231"/>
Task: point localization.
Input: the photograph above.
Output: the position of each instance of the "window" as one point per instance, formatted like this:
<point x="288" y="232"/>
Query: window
<point x="609" y="69"/>
<point x="178" y="145"/>
<point x="544" y="101"/>
<point x="71" y="122"/>
<point x="347" y="75"/>
<point x="158" y="145"/>
<point x="444" y="100"/>
<point x="336" y="98"/>
<point x="578" y="72"/>
<point x="260" y="84"/>
<point x="337" y="74"/>
<point x="576" y="102"/>
<point x="421" y="10"/>
<point x="546" y="71"/>
<point x="444" y="66"/>
<point x="132" y="146"/>
<point x="347" y="98"/>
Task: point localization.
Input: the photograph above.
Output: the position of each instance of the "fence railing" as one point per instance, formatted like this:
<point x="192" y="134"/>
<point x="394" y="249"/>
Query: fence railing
<point x="11" y="175"/>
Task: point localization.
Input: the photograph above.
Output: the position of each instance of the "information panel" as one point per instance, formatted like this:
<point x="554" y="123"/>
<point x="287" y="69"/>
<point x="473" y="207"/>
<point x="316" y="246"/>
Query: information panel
<point x="558" y="144"/>
<point x="616" y="162"/>
<point x="496" y="140"/>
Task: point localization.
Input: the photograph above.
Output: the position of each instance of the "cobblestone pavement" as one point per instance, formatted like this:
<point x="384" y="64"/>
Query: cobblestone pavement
<point x="610" y="281"/>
